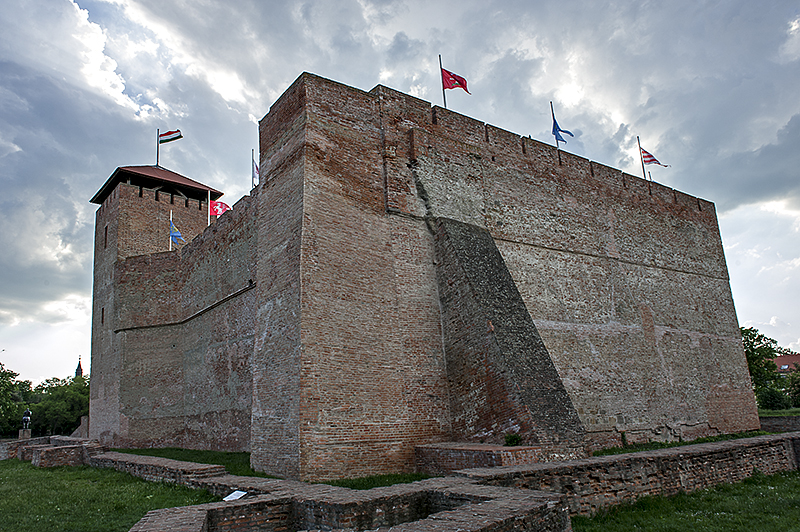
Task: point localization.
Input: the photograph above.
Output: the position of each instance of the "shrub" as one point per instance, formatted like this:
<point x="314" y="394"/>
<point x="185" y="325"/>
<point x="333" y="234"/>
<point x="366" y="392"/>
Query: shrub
<point x="793" y="387"/>
<point x="513" y="440"/>
<point x="772" y="399"/>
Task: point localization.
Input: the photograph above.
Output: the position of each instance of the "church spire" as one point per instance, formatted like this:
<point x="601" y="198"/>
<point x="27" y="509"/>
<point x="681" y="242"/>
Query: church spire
<point x="79" y="369"/>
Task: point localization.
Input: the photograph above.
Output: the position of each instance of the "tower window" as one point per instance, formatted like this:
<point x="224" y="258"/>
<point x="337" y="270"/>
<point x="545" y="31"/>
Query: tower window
<point x="102" y="315"/>
<point x="105" y="237"/>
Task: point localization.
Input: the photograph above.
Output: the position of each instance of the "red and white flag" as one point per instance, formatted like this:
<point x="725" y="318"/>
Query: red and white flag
<point x="648" y="158"/>
<point x="169" y="136"/>
<point x="453" y="81"/>
<point x="217" y="208"/>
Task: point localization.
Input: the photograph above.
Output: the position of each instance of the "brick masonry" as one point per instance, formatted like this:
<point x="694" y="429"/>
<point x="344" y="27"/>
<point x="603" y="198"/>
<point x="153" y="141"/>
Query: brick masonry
<point x="517" y="497"/>
<point x="307" y="325"/>
<point x="780" y="423"/>
<point x="502" y="380"/>
<point x="596" y="483"/>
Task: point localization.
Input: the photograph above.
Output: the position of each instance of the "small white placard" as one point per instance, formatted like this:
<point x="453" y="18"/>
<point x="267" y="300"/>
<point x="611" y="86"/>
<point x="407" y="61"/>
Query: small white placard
<point x="235" y="495"/>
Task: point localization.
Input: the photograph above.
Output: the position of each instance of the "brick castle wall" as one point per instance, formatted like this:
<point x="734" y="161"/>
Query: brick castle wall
<point x="502" y="379"/>
<point x="174" y="368"/>
<point x="334" y="364"/>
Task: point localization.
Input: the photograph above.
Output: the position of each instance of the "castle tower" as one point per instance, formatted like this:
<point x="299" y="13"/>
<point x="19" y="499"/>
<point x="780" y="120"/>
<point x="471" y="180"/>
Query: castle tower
<point x="133" y="219"/>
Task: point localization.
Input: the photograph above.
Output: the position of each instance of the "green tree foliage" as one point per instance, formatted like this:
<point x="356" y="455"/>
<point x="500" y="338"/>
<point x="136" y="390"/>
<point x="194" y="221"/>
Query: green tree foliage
<point x="63" y="402"/>
<point x="772" y="399"/>
<point x="8" y="385"/>
<point x="793" y="386"/>
<point x="57" y="404"/>
<point x="760" y="350"/>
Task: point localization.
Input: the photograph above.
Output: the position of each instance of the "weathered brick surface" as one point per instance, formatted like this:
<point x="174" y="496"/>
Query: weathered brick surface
<point x="592" y="484"/>
<point x="444" y="458"/>
<point x="11" y="448"/>
<point x="65" y="455"/>
<point x="502" y="380"/>
<point x="780" y="423"/>
<point x="157" y="469"/>
<point x="177" y="368"/>
<point x="333" y="363"/>
<point x="483" y="499"/>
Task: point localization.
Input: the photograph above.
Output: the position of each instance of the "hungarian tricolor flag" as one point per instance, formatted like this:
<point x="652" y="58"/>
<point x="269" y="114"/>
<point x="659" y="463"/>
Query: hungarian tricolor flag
<point x="169" y="136"/>
<point x="453" y="81"/>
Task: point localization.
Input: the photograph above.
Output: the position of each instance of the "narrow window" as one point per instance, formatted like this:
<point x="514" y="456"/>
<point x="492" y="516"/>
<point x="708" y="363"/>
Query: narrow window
<point x="140" y="192"/>
<point x="105" y="237"/>
<point x="156" y="195"/>
<point x="187" y="202"/>
<point x="172" y="199"/>
<point x="102" y="315"/>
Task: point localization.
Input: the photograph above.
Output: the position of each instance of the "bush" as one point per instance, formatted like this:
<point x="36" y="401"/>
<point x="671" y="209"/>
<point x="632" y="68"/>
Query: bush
<point x="773" y="399"/>
<point x="512" y="440"/>
<point x="793" y="387"/>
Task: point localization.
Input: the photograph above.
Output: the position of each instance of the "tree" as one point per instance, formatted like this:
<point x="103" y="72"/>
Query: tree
<point x="63" y="402"/>
<point x="8" y="408"/>
<point x="760" y="350"/>
<point x="793" y="386"/>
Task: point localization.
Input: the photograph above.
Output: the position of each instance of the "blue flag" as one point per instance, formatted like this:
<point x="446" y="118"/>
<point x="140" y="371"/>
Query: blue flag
<point x="174" y="234"/>
<point x="557" y="131"/>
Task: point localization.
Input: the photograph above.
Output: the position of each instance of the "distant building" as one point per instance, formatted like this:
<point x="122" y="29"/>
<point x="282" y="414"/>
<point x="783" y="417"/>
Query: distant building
<point x="79" y="369"/>
<point x="405" y="275"/>
<point x="787" y="363"/>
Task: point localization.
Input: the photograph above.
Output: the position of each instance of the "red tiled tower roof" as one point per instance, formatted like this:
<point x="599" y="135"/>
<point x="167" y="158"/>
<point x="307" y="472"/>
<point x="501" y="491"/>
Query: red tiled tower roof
<point x="152" y="177"/>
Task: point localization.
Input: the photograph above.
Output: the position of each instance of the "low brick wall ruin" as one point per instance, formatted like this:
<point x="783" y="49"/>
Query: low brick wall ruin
<point x="513" y="497"/>
<point x="444" y="458"/>
<point x="780" y="423"/>
<point x="596" y="483"/>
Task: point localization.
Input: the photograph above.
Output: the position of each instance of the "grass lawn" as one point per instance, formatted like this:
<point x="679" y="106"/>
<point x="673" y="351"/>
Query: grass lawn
<point x="651" y="446"/>
<point x="82" y="498"/>
<point x="235" y="463"/>
<point x="760" y="503"/>
<point x="775" y="413"/>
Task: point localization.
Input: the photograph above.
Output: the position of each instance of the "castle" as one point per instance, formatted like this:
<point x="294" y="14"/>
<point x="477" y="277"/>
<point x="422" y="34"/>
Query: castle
<point x="405" y="275"/>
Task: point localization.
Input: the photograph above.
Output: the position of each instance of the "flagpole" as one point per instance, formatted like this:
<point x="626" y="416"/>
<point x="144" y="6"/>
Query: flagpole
<point x="641" y="158"/>
<point x="441" y="77"/>
<point x="157" y="154"/>
<point x="553" y="114"/>
<point x="209" y="207"/>
<point x="170" y="229"/>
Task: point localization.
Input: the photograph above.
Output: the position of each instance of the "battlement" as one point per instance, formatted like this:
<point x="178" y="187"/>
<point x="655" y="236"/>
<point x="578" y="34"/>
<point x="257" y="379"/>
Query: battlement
<point x="399" y="114"/>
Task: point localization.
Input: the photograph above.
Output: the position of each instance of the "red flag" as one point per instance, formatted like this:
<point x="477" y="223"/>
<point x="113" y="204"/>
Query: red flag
<point x="453" y="81"/>
<point x="217" y="208"/>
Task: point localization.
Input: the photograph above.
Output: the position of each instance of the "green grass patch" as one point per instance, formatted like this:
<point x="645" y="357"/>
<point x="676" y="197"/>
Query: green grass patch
<point x="776" y="413"/>
<point x="651" y="446"/>
<point x="235" y="463"/>
<point x="375" y="481"/>
<point x="82" y="498"/>
<point x="762" y="503"/>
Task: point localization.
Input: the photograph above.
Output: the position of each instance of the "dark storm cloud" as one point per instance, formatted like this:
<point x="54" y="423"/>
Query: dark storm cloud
<point x="709" y="88"/>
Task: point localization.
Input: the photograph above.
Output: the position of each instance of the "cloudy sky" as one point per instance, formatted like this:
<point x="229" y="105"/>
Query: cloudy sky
<point x="710" y="87"/>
